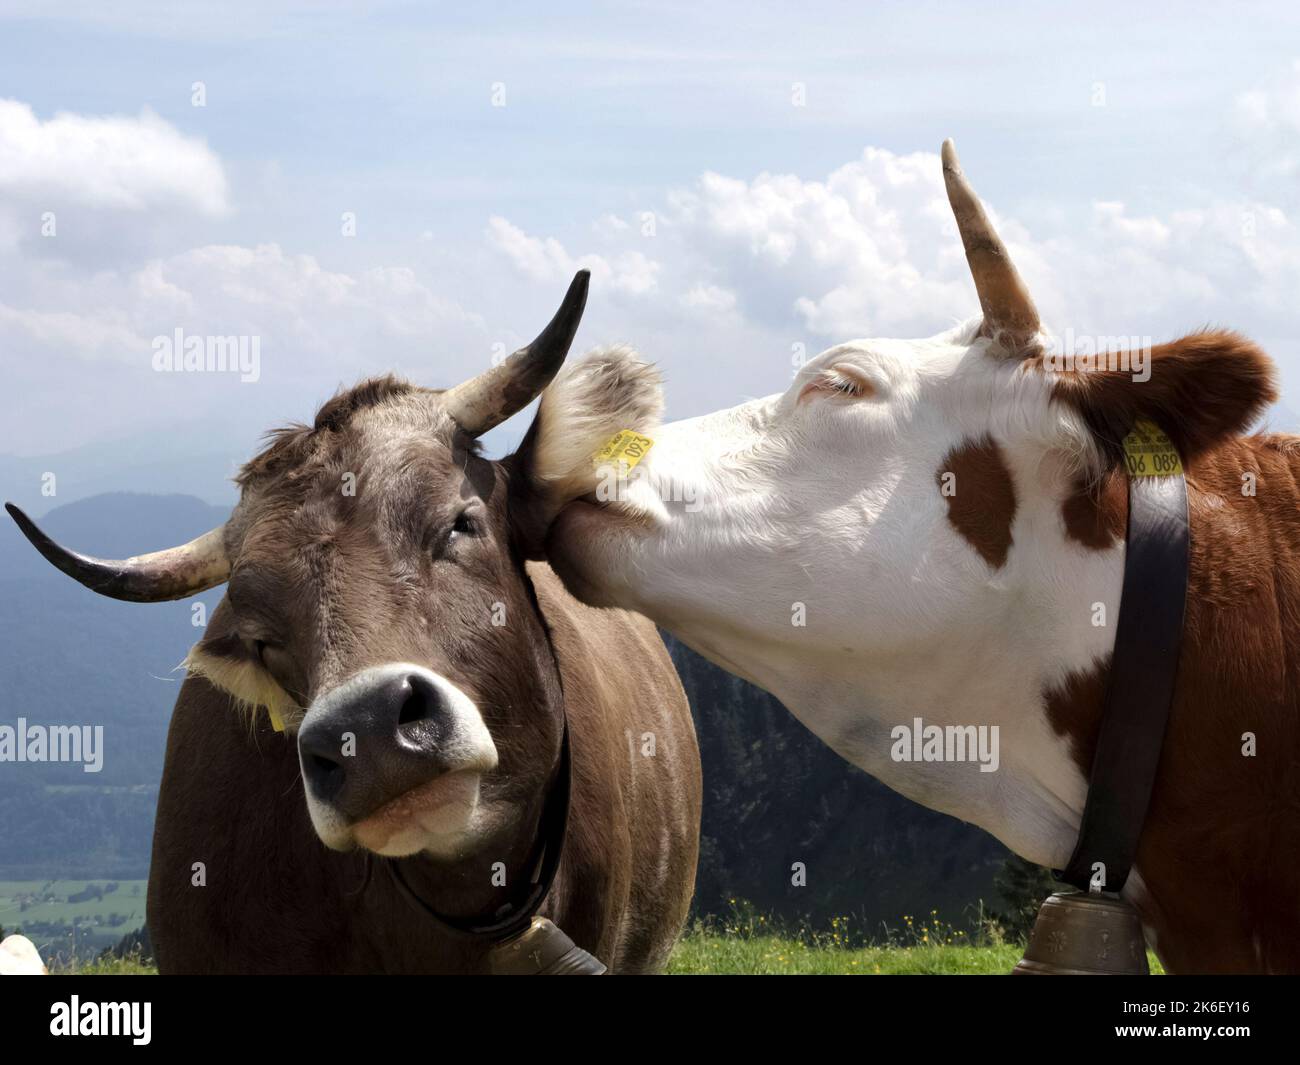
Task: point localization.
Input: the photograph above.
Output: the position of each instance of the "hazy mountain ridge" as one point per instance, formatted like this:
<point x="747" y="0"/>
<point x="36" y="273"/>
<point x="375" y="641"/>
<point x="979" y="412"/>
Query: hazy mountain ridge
<point x="187" y="460"/>
<point x="68" y="657"/>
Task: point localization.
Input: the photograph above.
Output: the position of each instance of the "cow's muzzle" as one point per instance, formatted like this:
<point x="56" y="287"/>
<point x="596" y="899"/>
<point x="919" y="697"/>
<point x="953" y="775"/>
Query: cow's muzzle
<point x="391" y="760"/>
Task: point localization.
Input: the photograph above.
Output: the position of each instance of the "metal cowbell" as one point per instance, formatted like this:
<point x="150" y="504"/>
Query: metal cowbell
<point x="542" y="949"/>
<point x="1079" y="934"/>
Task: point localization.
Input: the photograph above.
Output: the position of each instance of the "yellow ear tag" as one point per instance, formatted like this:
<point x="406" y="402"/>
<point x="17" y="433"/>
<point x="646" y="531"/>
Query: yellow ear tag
<point x="277" y="722"/>
<point x="626" y="448"/>
<point x="1148" y="451"/>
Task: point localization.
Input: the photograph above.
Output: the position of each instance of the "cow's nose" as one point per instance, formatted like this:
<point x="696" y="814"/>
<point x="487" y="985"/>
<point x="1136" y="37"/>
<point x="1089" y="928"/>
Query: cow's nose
<point x="372" y="739"/>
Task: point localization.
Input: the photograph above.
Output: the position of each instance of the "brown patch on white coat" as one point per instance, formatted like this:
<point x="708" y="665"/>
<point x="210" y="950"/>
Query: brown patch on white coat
<point x="981" y="497"/>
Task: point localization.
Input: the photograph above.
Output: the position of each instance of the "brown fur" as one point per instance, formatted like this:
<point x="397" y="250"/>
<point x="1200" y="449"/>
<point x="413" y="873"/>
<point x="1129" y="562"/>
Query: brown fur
<point x="1096" y="511"/>
<point x="983" y="504"/>
<point x="1218" y="852"/>
<point x="1202" y="388"/>
<point x="334" y="583"/>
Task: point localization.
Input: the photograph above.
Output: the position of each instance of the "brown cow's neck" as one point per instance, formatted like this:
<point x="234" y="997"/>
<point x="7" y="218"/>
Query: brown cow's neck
<point x="1216" y="880"/>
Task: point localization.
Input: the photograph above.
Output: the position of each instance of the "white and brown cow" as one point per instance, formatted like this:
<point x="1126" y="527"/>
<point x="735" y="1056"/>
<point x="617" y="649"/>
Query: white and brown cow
<point x="935" y="529"/>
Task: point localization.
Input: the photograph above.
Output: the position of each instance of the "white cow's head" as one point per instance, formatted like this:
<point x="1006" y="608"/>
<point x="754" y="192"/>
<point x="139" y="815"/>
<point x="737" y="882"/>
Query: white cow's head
<point x="914" y="525"/>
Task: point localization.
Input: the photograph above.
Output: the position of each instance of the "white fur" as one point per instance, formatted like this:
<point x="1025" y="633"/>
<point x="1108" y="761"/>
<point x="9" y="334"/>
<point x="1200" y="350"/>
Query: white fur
<point x="250" y="687"/>
<point x="589" y="401"/>
<point x="19" y="957"/>
<point x="832" y="502"/>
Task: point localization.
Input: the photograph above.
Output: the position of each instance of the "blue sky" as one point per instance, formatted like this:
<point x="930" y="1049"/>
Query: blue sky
<point x="746" y="181"/>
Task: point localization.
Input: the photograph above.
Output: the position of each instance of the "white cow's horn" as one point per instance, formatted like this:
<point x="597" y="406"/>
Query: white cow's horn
<point x="1009" y="314"/>
<point x="175" y="573"/>
<point x="490" y="398"/>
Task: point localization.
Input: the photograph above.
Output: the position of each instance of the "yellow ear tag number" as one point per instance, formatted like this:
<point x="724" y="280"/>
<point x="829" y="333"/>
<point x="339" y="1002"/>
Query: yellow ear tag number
<point x="625" y="448"/>
<point x="277" y="722"/>
<point x="1148" y="452"/>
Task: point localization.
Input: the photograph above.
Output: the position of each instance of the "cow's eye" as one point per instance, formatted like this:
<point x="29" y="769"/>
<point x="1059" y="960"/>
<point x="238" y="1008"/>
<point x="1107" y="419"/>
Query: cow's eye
<point x="464" y="527"/>
<point x="838" y="381"/>
<point x="269" y="654"/>
<point x="275" y="660"/>
<point x="848" y="381"/>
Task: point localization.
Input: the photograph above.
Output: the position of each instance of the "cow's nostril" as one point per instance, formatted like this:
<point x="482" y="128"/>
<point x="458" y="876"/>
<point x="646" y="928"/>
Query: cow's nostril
<point x="324" y="773"/>
<point x="421" y="703"/>
<point x="373" y="738"/>
<point x="322" y="766"/>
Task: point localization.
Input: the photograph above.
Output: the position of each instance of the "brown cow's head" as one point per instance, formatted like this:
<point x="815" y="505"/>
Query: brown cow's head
<point x="378" y="604"/>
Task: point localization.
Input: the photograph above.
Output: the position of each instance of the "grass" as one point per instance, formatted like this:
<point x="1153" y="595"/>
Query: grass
<point x="748" y="944"/>
<point x="131" y="965"/>
<point x="702" y="953"/>
<point x="705" y="953"/>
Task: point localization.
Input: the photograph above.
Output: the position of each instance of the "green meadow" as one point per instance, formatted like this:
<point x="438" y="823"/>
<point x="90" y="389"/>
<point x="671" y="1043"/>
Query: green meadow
<point x="752" y="945"/>
<point x="72" y="920"/>
<point x="712" y="954"/>
<point x="706" y="953"/>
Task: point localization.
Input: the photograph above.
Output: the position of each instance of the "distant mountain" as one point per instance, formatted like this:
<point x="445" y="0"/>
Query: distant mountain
<point x="186" y="460"/>
<point x="69" y="657"/>
<point x="191" y="458"/>
<point x="774" y="794"/>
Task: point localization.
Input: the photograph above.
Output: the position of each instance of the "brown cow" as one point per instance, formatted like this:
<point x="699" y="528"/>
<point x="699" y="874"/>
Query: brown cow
<point x="387" y="607"/>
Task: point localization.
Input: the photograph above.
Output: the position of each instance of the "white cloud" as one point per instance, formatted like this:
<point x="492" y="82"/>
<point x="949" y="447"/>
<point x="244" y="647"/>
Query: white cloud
<point x="868" y="249"/>
<point x="712" y="299"/>
<point x="630" y="272"/>
<point x="316" y="328"/>
<point x="1268" y="116"/>
<point x="872" y="250"/>
<point x="107" y="161"/>
<point x="610" y="225"/>
<point x="296" y="305"/>
<point x="91" y="336"/>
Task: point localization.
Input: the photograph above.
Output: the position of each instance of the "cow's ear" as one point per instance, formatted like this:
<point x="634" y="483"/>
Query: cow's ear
<point x="589" y="401"/>
<point x="1200" y="390"/>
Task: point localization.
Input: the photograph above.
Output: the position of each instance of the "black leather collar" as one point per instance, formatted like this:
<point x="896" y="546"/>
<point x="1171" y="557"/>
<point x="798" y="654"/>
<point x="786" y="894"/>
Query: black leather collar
<point x="1143" y="667"/>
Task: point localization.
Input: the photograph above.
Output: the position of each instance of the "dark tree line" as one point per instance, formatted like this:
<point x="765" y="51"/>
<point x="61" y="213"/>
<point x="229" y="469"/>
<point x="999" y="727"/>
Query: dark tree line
<point x="775" y="795"/>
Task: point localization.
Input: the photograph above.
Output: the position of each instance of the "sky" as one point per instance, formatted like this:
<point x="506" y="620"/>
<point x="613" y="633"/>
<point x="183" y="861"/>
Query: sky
<point x="409" y="187"/>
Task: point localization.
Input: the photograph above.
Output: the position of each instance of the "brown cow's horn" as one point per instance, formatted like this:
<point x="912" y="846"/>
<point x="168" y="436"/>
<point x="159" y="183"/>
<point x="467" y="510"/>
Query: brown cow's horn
<point x="175" y="573"/>
<point x="494" y="395"/>
<point x="1009" y="313"/>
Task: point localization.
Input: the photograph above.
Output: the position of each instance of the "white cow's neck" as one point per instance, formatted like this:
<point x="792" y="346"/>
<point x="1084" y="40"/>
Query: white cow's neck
<point x="1036" y="624"/>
